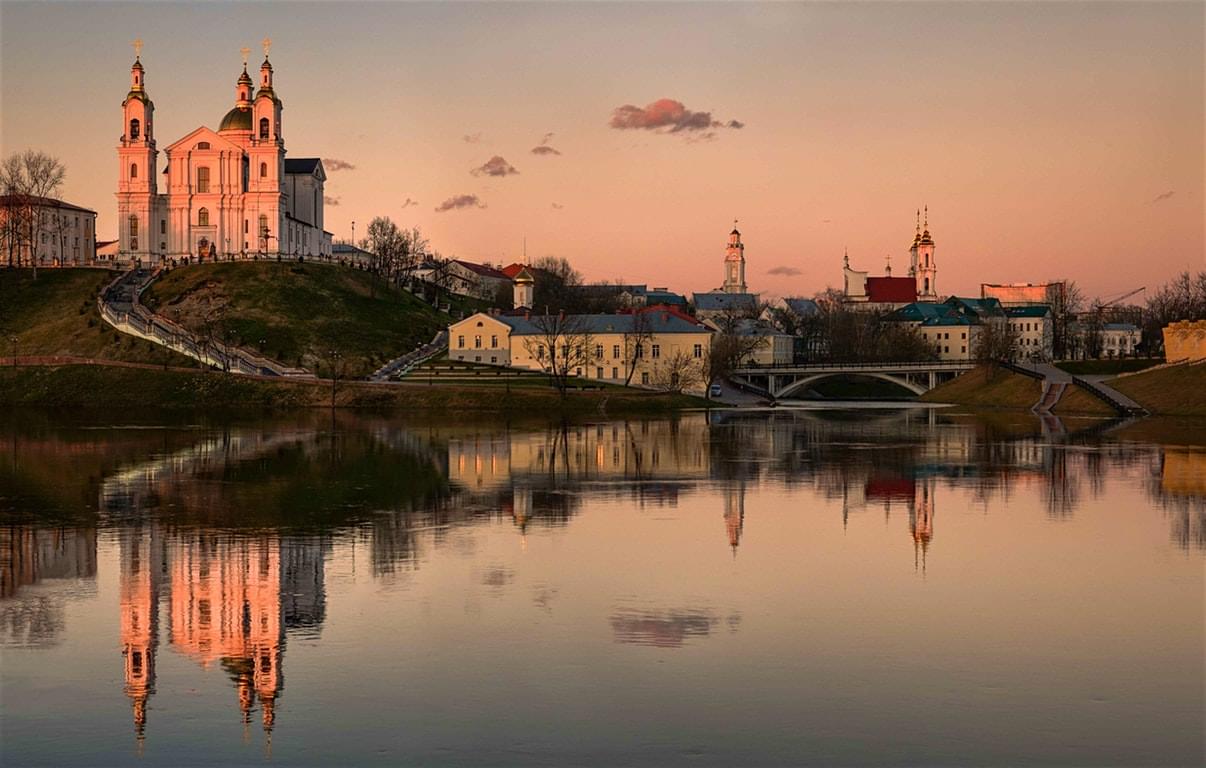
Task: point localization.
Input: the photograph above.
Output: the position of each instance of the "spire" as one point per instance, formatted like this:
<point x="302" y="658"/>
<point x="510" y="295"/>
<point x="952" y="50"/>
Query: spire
<point x="845" y="257"/>
<point x="917" y="233"/>
<point x="734" y="232"/>
<point x="888" y="265"/>
<point x="925" y="234"/>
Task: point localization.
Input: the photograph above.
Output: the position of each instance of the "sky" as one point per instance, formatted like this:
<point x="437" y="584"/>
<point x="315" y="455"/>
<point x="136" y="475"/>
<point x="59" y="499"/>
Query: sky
<point x="1048" y="140"/>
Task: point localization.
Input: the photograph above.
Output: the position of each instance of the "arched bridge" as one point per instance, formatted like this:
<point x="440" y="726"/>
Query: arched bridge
<point x="781" y="381"/>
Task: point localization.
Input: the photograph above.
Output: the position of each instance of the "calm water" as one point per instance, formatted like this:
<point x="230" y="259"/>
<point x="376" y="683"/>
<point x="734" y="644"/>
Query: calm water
<point x="886" y="587"/>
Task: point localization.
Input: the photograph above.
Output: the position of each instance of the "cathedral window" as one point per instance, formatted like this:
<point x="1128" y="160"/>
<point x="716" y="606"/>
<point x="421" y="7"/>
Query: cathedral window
<point x="263" y="170"/>
<point x="263" y="128"/>
<point x="135" y="129"/>
<point x="202" y="145"/>
<point x="202" y="179"/>
<point x="133" y="170"/>
<point x="203" y="217"/>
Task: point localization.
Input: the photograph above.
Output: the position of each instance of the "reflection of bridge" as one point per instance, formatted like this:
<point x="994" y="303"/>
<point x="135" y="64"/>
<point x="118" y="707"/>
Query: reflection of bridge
<point x="781" y="381"/>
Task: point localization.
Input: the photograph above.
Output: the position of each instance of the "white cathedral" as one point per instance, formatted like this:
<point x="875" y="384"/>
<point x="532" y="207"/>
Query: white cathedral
<point x="228" y="194"/>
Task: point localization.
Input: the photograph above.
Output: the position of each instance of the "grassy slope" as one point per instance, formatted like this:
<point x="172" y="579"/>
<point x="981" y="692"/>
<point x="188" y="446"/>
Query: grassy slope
<point x="56" y="315"/>
<point x="1105" y="367"/>
<point x="977" y="388"/>
<point x="1077" y="401"/>
<point x="1176" y="391"/>
<point x="301" y="310"/>
<point x="77" y="386"/>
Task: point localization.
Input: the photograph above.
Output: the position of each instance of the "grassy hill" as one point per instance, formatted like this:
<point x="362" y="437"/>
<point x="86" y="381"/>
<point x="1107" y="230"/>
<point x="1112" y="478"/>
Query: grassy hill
<point x="295" y="312"/>
<point x="1179" y="390"/>
<point x="981" y="388"/>
<point x="56" y="315"/>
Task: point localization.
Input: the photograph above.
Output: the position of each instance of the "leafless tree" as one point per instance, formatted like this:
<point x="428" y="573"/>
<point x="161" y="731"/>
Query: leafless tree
<point x="679" y="371"/>
<point x="996" y="342"/>
<point x="1067" y="300"/>
<point x="637" y="340"/>
<point x="29" y="180"/>
<point x="563" y="346"/>
<point x="726" y="353"/>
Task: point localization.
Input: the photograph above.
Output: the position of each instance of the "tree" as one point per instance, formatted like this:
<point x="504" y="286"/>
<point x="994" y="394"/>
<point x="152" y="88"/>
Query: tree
<point x="996" y="342"/>
<point x="1182" y="298"/>
<point x="29" y="180"/>
<point x="677" y="372"/>
<point x="556" y="285"/>
<point x="1066" y="302"/>
<point x="563" y="346"/>
<point x="636" y="343"/>
<point x="726" y="353"/>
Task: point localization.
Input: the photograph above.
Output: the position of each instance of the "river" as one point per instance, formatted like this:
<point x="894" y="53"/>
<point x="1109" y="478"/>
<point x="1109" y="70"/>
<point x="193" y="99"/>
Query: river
<point x="889" y="587"/>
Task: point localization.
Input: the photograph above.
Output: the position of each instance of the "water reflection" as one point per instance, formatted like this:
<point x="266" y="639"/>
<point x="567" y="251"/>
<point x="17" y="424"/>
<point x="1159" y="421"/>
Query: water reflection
<point x="40" y="569"/>
<point x="666" y="629"/>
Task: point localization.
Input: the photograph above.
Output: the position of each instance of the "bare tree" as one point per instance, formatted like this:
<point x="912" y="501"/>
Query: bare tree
<point x="726" y="353"/>
<point x="996" y="342"/>
<point x="637" y="340"/>
<point x="1066" y="302"/>
<point x="678" y="371"/>
<point x="557" y="284"/>
<point x="563" y="346"/>
<point x="31" y="182"/>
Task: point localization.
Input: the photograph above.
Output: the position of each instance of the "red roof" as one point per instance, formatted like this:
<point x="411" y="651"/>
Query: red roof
<point x="891" y="290"/>
<point x="511" y="270"/>
<point x="889" y="488"/>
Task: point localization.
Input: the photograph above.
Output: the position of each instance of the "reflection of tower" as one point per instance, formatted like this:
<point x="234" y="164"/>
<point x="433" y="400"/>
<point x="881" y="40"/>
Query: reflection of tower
<point x="521" y="506"/>
<point x="921" y="520"/>
<point x="141" y="570"/>
<point x="734" y="514"/>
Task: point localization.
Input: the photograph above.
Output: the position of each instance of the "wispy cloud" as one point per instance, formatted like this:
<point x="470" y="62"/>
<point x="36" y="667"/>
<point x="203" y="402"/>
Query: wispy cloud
<point x="460" y="201"/>
<point x="331" y="201"/>
<point x="495" y="166"/>
<point x="557" y="206"/>
<point x="408" y="203"/>
<point x="669" y="116"/>
<point x="333" y="164"/>
<point x="1162" y="197"/>
<point x="783" y="271"/>
<point x="543" y="147"/>
<point x="472" y="138"/>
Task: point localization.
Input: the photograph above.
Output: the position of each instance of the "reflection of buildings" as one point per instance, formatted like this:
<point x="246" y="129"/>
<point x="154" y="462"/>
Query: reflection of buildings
<point x="734" y="514"/>
<point x="231" y="600"/>
<point x="1182" y="490"/>
<point x="34" y="563"/>
<point x="921" y="519"/>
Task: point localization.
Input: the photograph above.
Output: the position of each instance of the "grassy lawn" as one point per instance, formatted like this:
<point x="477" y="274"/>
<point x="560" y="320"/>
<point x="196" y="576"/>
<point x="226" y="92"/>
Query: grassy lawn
<point x="299" y="311"/>
<point x="1077" y="401"/>
<point x="56" y="315"/>
<point x="1105" y="367"/>
<point x="1176" y="391"/>
<point x="981" y="388"/>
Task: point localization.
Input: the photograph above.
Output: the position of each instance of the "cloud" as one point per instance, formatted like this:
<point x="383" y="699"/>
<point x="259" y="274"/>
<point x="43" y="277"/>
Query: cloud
<point x="472" y="138"/>
<point x="669" y="116"/>
<point x="543" y="147"/>
<point x="557" y="206"/>
<point x="784" y="271"/>
<point x="408" y="203"/>
<point x="1162" y="197"/>
<point x="495" y="166"/>
<point x="333" y="164"/>
<point x="328" y="200"/>
<point x="460" y="201"/>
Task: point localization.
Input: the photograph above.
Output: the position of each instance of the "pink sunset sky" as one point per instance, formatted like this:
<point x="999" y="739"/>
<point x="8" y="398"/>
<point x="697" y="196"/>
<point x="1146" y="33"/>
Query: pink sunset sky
<point x="1049" y="140"/>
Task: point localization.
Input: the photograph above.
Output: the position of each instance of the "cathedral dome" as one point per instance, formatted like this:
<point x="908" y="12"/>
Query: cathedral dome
<point x="236" y="120"/>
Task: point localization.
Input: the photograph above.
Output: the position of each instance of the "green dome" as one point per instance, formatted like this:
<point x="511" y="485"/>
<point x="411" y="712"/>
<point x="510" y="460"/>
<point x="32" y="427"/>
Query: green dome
<point x="236" y="120"/>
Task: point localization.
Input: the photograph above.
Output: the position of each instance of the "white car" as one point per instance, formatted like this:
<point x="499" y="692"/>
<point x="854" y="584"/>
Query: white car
<point x="715" y="391"/>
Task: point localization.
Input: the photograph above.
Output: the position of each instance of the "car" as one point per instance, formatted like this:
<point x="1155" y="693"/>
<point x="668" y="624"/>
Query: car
<point x="715" y="391"/>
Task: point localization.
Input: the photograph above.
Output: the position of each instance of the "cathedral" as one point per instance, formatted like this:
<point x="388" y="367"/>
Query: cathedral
<point x="226" y="194"/>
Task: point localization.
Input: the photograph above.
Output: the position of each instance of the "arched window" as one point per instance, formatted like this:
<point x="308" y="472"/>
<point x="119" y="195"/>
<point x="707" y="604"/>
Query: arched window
<point x="202" y="179"/>
<point x="202" y="145"/>
<point x="203" y="217"/>
<point x="263" y="170"/>
<point x="133" y="226"/>
<point x="133" y="170"/>
<point x="264" y="228"/>
<point x="263" y="127"/>
<point x="135" y="129"/>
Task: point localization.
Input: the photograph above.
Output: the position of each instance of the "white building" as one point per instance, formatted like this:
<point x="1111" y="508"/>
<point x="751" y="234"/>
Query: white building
<point x="1033" y="327"/>
<point x="225" y="194"/>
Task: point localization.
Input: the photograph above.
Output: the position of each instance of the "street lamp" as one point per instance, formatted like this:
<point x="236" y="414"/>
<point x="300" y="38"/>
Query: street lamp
<point x="13" y="339"/>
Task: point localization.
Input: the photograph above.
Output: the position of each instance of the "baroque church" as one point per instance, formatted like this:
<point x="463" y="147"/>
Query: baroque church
<point x="225" y="194"/>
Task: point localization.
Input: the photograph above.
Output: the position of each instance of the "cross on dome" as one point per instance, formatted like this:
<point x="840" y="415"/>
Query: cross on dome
<point x="137" y="48"/>
<point x="246" y="52"/>
<point x="267" y="43"/>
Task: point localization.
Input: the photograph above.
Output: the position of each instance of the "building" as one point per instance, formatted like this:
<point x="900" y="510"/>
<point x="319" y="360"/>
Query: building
<point x="886" y="293"/>
<point x="106" y="251"/>
<point x="952" y="327"/>
<point x="346" y="253"/>
<point x="734" y="264"/>
<point x="1185" y="340"/>
<point x="1024" y="294"/>
<point x="464" y="278"/>
<point x="230" y="193"/>
<point x="733" y="298"/>
<point x="768" y="345"/>
<point x="656" y="343"/>
<point x="1119" y="339"/>
<point x="1033" y="327"/>
<point x="922" y="267"/>
<point x="45" y="231"/>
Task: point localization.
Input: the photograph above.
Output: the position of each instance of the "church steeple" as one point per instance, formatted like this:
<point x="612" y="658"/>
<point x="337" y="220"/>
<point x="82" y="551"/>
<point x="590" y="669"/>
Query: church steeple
<point x="734" y="263"/>
<point x="244" y="84"/>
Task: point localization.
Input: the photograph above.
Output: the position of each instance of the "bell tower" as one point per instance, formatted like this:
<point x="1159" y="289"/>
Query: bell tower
<point x="734" y="263"/>
<point x="266" y="156"/>
<point x="924" y="268"/>
<point x="137" y="166"/>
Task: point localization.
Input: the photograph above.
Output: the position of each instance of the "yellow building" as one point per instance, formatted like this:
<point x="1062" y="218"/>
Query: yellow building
<point x="661" y="346"/>
<point x="1185" y="340"/>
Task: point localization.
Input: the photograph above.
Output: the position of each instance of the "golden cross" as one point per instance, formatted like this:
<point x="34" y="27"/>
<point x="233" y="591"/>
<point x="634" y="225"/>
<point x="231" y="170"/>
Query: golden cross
<point x="245" y="51"/>
<point x="267" y="43"/>
<point x="137" y="47"/>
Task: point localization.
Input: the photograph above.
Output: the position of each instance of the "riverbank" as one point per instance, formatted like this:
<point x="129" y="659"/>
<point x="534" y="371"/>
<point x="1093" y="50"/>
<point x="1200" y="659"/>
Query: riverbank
<point x="123" y="388"/>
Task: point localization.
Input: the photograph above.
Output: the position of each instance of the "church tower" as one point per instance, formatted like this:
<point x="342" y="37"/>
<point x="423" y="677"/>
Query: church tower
<point x="137" y="171"/>
<point x="921" y="260"/>
<point x="734" y="263"/>
<point x="266" y="154"/>
<point x="524" y="289"/>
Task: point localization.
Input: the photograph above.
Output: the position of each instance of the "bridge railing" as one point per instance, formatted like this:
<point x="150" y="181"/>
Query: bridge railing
<point x="910" y="364"/>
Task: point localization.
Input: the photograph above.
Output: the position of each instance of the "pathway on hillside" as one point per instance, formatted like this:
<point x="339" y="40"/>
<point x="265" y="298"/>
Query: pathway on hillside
<point x="1056" y="381"/>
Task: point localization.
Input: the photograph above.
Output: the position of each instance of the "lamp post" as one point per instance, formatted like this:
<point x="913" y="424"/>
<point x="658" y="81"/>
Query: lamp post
<point x="13" y="340"/>
<point x="334" y="356"/>
<point x="353" y="233"/>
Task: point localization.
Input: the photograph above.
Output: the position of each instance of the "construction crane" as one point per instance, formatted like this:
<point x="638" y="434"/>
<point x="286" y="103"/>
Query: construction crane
<point x="1103" y="304"/>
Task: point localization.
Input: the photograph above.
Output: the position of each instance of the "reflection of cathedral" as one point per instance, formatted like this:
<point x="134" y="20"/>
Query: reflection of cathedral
<point x="921" y="519"/>
<point x="734" y="513"/>
<point x="231" y="600"/>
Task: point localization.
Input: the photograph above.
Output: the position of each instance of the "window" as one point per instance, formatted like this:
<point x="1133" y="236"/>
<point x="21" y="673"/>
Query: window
<point x="460" y="342"/>
<point x="577" y="371"/>
<point x="699" y="350"/>
<point x="946" y="349"/>
<point x="963" y="350"/>
<point x="202" y="179"/>
<point x="963" y="335"/>
<point x="615" y="373"/>
<point x="133" y="226"/>
<point x="615" y="350"/>
<point x="202" y="145"/>
<point x="598" y="373"/>
<point x="565" y="351"/>
<point x="599" y="352"/>
<point x="133" y="170"/>
<point x="264" y="227"/>
<point x="203" y="217"/>
<point x="644" y="377"/>
<point x="493" y="342"/>
<point x="493" y="359"/>
<point x="263" y="170"/>
<point x="135" y="129"/>
<point x="540" y="352"/>
<point x="640" y="352"/>
<point x="477" y="342"/>
<point x="263" y="128"/>
<point x="657" y="350"/>
<point x="163" y="226"/>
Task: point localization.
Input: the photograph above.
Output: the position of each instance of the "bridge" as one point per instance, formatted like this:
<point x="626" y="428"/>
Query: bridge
<point x="786" y="380"/>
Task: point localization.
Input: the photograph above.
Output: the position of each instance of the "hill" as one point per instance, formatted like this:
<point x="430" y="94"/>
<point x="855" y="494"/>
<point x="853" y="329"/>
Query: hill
<point x="296" y="313"/>
<point x="1178" y="390"/>
<point x="56" y="315"/>
<point x="982" y="388"/>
